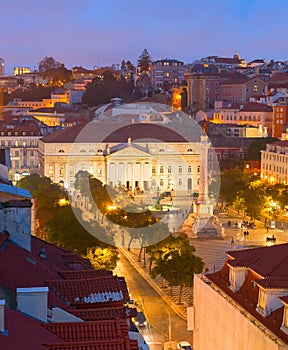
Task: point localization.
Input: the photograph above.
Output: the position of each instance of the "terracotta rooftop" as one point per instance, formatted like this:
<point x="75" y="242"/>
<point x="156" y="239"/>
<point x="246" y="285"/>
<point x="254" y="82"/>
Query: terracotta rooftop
<point x="256" y="107"/>
<point x="105" y="313"/>
<point x="93" y="134"/>
<point x="89" y="330"/>
<point x="274" y="283"/>
<point x="235" y="81"/>
<point x="247" y="296"/>
<point x="88" y="291"/>
<point x="82" y="274"/>
<point x="24" y="333"/>
<point x="106" y="335"/>
<point x="265" y="261"/>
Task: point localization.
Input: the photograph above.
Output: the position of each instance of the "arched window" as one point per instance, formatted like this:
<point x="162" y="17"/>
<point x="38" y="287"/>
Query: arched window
<point x="61" y="151"/>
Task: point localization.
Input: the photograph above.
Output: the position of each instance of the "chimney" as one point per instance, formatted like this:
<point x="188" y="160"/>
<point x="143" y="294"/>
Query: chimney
<point x="33" y="302"/>
<point x="2" y="314"/>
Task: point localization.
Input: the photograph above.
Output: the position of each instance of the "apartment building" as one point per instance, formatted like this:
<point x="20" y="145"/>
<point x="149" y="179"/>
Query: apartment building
<point x="245" y="304"/>
<point x="274" y="162"/>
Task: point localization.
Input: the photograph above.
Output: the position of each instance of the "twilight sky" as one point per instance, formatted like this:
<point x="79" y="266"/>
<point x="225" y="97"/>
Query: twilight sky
<point x="102" y="32"/>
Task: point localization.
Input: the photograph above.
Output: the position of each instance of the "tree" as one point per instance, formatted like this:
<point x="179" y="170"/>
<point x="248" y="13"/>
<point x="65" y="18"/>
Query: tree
<point x="144" y="62"/>
<point x="65" y="231"/>
<point x="103" y="257"/>
<point x="233" y="183"/>
<point x="175" y="262"/>
<point x="46" y="193"/>
<point x="48" y="63"/>
<point x="54" y="70"/>
<point x="103" y="90"/>
<point x="253" y="151"/>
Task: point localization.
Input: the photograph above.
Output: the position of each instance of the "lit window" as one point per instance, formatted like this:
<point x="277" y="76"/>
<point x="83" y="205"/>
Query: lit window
<point x="262" y="299"/>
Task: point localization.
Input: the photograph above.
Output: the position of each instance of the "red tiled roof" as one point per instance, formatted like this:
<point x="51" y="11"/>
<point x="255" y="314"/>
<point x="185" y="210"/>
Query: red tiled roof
<point x="247" y="297"/>
<point x="256" y="107"/>
<point x="135" y="131"/>
<point x="106" y="335"/>
<point x="24" y="333"/>
<point x="228" y="60"/>
<point x="89" y="330"/>
<point x="105" y="313"/>
<point x="118" y="344"/>
<point x="3" y="238"/>
<point x="274" y="283"/>
<point x="265" y="261"/>
<point x="283" y="143"/>
<point x="235" y="81"/>
<point x="93" y="290"/>
<point x="82" y="274"/>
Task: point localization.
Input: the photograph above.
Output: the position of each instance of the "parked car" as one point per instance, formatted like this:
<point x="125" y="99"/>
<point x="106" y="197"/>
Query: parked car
<point x="140" y="319"/>
<point x="184" y="345"/>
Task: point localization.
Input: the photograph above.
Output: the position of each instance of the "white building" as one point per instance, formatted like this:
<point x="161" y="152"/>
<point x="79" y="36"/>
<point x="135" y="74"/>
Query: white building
<point x="274" y="162"/>
<point x="135" y="146"/>
<point x="140" y="155"/>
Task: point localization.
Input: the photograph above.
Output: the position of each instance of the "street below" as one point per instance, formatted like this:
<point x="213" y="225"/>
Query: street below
<point x="156" y="310"/>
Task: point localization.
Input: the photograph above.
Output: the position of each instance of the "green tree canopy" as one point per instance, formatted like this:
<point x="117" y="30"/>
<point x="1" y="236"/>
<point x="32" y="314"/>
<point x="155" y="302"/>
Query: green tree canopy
<point x="253" y="151"/>
<point x="102" y="90"/>
<point x="175" y="261"/>
<point x="65" y="231"/>
<point x="233" y="183"/>
<point x="54" y="70"/>
<point x="144" y="62"/>
<point x="46" y="193"/>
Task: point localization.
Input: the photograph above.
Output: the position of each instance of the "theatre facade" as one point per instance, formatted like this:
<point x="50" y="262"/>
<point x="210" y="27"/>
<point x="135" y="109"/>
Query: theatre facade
<point x="142" y="156"/>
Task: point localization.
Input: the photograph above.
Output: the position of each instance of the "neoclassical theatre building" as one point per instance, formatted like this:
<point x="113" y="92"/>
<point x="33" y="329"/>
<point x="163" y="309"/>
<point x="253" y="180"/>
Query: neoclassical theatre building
<point x="138" y="155"/>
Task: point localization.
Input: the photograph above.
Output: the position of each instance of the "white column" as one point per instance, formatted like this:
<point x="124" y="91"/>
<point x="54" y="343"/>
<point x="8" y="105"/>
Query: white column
<point x="203" y="190"/>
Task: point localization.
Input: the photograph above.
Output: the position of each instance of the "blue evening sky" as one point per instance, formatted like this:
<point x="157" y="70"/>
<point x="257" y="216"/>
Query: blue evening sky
<point x="102" y="32"/>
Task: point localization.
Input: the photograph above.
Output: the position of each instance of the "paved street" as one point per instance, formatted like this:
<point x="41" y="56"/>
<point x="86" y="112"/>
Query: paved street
<point x="157" y="309"/>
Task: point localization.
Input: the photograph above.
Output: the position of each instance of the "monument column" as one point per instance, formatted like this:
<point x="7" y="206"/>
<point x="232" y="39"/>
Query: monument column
<point x="203" y="188"/>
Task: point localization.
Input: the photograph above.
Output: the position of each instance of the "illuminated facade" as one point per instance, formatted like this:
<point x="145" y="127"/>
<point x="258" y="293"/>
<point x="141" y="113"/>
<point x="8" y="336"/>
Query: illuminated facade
<point x="22" y="141"/>
<point x="21" y="70"/>
<point x="124" y="158"/>
<point x="274" y="162"/>
<point x="252" y="113"/>
<point x="166" y="73"/>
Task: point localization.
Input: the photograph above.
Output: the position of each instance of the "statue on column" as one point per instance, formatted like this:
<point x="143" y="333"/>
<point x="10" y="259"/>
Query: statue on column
<point x="205" y="223"/>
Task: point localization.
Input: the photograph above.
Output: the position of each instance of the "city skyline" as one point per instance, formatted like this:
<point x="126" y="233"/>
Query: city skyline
<point x="102" y="33"/>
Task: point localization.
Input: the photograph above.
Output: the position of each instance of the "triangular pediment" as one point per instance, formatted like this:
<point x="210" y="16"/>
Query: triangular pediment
<point x="130" y="151"/>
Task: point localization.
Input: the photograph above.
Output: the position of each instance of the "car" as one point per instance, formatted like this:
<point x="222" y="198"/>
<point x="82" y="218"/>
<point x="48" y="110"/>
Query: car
<point x="140" y="319"/>
<point x="185" y="345"/>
